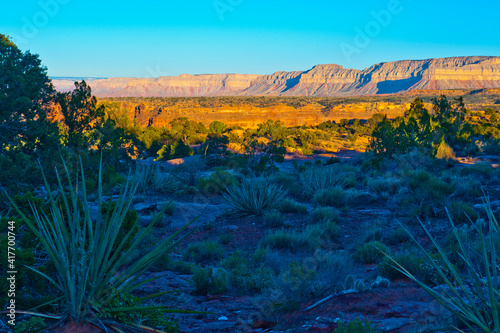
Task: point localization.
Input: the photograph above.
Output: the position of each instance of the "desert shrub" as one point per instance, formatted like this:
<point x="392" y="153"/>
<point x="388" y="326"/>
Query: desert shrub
<point x="245" y="276"/>
<point x="466" y="186"/>
<point x="399" y="235"/>
<point x="414" y="160"/>
<point x="482" y="170"/>
<point x="274" y="219"/>
<point x="288" y="181"/>
<point x="380" y="185"/>
<point x="204" y="252"/>
<point x="254" y="197"/>
<point x="315" y="179"/>
<point x="330" y="229"/>
<point x="460" y="212"/>
<point x="414" y="263"/>
<point x="470" y="293"/>
<point x="153" y="178"/>
<point x="444" y="151"/>
<point x="168" y="208"/>
<point x="331" y="270"/>
<point x="324" y="214"/>
<point x="291" y="206"/>
<point x="207" y="280"/>
<point x="438" y="188"/>
<point x="226" y="238"/>
<point x="335" y="196"/>
<point x="178" y="149"/>
<point x="188" y="172"/>
<point x="370" y="253"/>
<point x="356" y="326"/>
<point x="216" y="182"/>
<point x="292" y="241"/>
<point x="313" y="276"/>
<point x="418" y="177"/>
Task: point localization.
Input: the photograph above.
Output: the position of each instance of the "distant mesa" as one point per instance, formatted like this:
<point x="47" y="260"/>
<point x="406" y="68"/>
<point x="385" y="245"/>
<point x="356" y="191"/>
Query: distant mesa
<point x="468" y="73"/>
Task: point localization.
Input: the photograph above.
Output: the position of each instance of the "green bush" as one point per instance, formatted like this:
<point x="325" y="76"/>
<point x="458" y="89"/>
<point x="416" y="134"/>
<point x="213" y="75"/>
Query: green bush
<point x="324" y="214"/>
<point x="315" y="179"/>
<point x="216" y="182"/>
<point x="414" y="263"/>
<point x="254" y="197"/>
<point x="460" y="212"/>
<point x="335" y="196"/>
<point x="370" y="253"/>
<point x="330" y="229"/>
<point x="178" y="149"/>
<point x="244" y="276"/>
<point x="207" y="280"/>
<point x="288" y="240"/>
<point x="356" y="326"/>
<point x="483" y="170"/>
<point x="274" y="219"/>
<point x="204" y="252"/>
<point x="292" y="206"/>
<point x="287" y="181"/>
<point x="384" y="185"/>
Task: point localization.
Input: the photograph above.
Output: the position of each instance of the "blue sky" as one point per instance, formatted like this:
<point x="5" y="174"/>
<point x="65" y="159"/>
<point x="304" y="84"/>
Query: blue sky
<point x="158" y="38"/>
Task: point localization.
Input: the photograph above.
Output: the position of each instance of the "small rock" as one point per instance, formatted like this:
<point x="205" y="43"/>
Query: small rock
<point x="222" y="318"/>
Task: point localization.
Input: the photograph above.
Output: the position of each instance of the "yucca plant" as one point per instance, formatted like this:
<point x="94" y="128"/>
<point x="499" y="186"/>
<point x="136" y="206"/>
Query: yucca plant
<point x="324" y="178"/>
<point x="90" y="270"/>
<point x="472" y="294"/>
<point x="254" y="197"/>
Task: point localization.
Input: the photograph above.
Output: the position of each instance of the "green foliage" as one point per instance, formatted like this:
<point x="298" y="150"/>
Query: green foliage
<point x="185" y="130"/>
<point x="206" y="281"/>
<point x="204" y="252"/>
<point x="216" y="182"/>
<point x="81" y="116"/>
<point x="25" y="101"/>
<point x="291" y="206"/>
<point x="325" y="178"/>
<point x="226" y="238"/>
<point x="371" y="252"/>
<point x="128" y="226"/>
<point x="419" y="130"/>
<point x="34" y="324"/>
<point x="412" y="262"/>
<point x="254" y="197"/>
<point x="89" y="273"/>
<point x="246" y="276"/>
<point x="294" y="241"/>
<point x="178" y="149"/>
<point x="142" y="314"/>
<point x="473" y="291"/>
<point x="274" y="219"/>
<point x="215" y="149"/>
<point x="335" y="196"/>
<point x="325" y="214"/>
<point x="461" y="212"/>
<point x="217" y="127"/>
<point x="356" y="326"/>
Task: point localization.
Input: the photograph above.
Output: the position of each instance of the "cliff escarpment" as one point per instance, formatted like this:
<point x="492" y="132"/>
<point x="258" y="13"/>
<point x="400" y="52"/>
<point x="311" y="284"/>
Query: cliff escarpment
<point x="329" y="80"/>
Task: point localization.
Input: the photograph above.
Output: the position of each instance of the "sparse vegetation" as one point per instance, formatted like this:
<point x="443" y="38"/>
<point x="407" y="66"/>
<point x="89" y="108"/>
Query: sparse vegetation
<point x="254" y="197"/>
<point x="289" y="238"/>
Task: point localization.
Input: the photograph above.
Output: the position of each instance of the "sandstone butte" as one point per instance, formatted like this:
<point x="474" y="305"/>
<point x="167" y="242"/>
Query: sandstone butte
<point x="477" y="72"/>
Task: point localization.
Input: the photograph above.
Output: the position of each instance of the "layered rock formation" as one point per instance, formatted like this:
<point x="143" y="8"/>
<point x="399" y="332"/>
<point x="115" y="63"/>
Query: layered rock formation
<point x="322" y="80"/>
